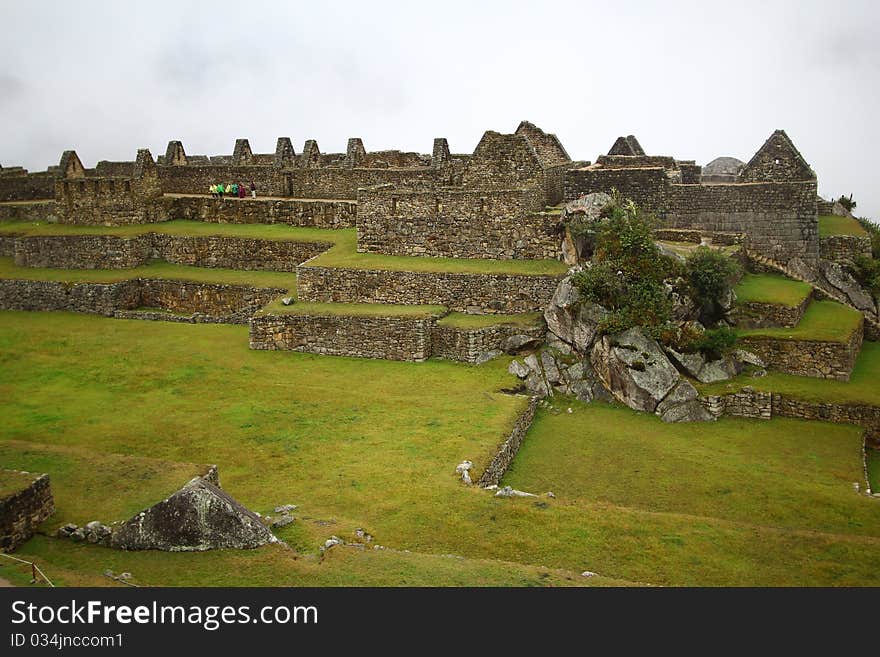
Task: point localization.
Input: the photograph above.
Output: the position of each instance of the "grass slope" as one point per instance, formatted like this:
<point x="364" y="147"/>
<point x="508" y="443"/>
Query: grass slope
<point x="280" y="232"/>
<point x="12" y="481"/>
<point x="156" y="269"/>
<point x="834" y="225"/>
<point x="351" y="309"/>
<point x="465" y="321"/>
<point x="823" y="321"/>
<point x="373" y="444"/>
<point x="736" y="469"/>
<point x="345" y="255"/>
<point x="771" y="289"/>
<point x="861" y="388"/>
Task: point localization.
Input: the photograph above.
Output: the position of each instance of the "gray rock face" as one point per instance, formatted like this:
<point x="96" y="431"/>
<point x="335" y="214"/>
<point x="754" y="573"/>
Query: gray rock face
<point x="516" y="344"/>
<point x="749" y="358"/>
<point x="200" y="516"/>
<point x="719" y="370"/>
<point x="682" y="405"/>
<point x="839" y="278"/>
<point x="634" y="369"/>
<point x="518" y="369"/>
<point x="572" y="320"/>
<point x="486" y="356"/>
<point x="507" y="491"/>
<point x="691" y="364"/>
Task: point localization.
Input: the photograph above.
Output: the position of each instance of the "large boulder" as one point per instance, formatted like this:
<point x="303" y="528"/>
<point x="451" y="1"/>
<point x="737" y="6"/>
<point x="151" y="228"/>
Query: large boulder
<point x="572" y="319"/>
<point x="200" y="516"/>
<point x="682" y="404"/>
<point x="840" y="279"/>
<point x="634" y="369"/>
<point x="721" y="369"/>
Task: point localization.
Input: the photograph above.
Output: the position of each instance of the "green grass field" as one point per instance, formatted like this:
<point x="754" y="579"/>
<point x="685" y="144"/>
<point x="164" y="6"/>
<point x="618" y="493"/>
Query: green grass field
<point x="872" y="461"/>
<point x="465" y="321"/>
<point x="281" y="232"/>
<point x="771" y="289"/>
<point x="374" y="444"/>
<point x="156" y="269"/>
<point x="345" y="255"/>
<point x="351" y="309"/>
<point x="12" y="481"/>
<point x="823" y="321"/>
<point x="861" y="388"/>
<point x="834" y="225"/>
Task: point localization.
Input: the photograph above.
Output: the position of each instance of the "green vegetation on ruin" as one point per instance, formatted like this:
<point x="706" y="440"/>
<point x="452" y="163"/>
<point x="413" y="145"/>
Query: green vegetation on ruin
<point x="345" y="255"/>
<point x="834" y="225"/>
<point x="360" y="443"/>
<point x="872" y="461"/>
<point x="862" y="388"/>
<point x="279" y="232"/>
<point x="11" y="481"/>
<point x="158" y="269"/>
<point x="467" y="321"/>
<point x="756" y="472"/>
<point x="823" y="321"/>
<point x="772" y="289"/>
<point x="351" y="309"/>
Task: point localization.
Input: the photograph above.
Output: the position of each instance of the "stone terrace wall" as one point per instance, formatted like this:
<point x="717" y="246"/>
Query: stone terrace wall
<point x="768" y="315"/>
<point x="456" y="223"/>
<point x="393" y="338"/>
<point x="499" y="293"/>
<point x="824" y="360"/>
<point x="35" y="211"/>
<point x="649" y="187"/>
<point x="106" y="201"/>
<point x="779" y="219"/>
<point x="112" y="252"/>
<point x="314" y="213"/>
<point x="764" y="405"/>
<point x="22" y="186"/>
<point x="844" y="248"/>
<point x="23" y="511"/>
<point x="508" y="449"/>
<point x="82" y="251"/>
<point x="210" y="302"/>
<point x="235" y="252"/>
<point x="467" y="345"/>
<point x="196" y="179"/>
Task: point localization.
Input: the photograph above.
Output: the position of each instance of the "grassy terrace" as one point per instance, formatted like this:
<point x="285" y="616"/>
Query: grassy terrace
<point x="12" y="482"/>
<point x="156" y="269"/>
<point x="465" y="321"/>
<point x="345" y="255"/>
<point x="772" y="289"/>
<point x="373" y="444"/>
<point x="823" y="321"/>
<point x="281" y="232"/>
<point x="872" y="460"/>
<point x="862" y="388"/>
<point x="834" y="225"/>
<point x="351" y="309"/>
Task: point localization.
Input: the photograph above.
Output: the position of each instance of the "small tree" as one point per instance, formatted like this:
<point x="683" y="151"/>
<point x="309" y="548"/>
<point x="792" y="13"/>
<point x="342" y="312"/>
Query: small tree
<point x="710" y="275"/>
<point x="847" y="202"/>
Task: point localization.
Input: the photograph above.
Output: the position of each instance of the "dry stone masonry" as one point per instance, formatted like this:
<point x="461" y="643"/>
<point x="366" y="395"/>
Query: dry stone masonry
<point x="28" y="503"/>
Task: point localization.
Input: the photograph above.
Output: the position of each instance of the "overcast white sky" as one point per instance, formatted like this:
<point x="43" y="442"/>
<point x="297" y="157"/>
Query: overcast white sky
<point x="691" y="79"/>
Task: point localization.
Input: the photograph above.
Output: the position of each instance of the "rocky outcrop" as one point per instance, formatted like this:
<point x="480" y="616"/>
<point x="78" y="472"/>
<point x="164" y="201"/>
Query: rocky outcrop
<point x="635" y="370"/>
<point x="200" y="516"/>
<point x="572" y="319"/>
<point x="840" y="279"/>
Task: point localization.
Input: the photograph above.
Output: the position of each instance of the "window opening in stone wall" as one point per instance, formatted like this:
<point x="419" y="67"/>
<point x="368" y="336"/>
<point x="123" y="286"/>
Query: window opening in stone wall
<point x="482" y="205"/>
<point x="394" y="205"/>
<point x="438" y="206"/>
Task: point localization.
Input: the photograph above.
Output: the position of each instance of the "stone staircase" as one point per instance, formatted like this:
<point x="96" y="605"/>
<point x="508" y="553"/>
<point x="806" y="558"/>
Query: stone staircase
<point x="872" y="322"/>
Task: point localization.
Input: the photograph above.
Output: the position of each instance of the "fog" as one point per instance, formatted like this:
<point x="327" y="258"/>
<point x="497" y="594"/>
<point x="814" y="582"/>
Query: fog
<point x="695" y="80"/>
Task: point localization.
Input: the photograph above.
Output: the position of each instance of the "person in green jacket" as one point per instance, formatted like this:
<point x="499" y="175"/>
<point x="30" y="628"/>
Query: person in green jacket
<point x="220" y="190"/>
<point x="234" y="190"/>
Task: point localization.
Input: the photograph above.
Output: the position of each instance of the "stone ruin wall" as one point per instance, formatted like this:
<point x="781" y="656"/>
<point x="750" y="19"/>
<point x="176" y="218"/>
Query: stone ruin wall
<point x="768" y="315"/>
<point x="456" y="223"/>
<point x="824" y="360"/>
<point x="751" y="403"/>
<point x="112" y="252"/>
<point x="778" y="218"/>
<point x="23" y="511"/>
<point x="392" y="338"/>
<point x="293" y="212"/>
<point x="206" y="302"/>
<point x="508" y="449"/>
<point x="483" y="293"/>
<point x="468" y="345"/>
<point x="844" y="248"/>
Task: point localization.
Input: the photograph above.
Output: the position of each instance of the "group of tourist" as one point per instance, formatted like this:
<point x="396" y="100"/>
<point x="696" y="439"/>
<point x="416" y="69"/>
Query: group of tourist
<point x="234" y="190"/>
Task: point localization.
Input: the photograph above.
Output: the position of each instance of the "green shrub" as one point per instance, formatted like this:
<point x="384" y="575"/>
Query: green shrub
<point x="867" y="272"/>
<point x="601" y="284"/>
<point x="716" y="343"/>
<point x="847" y="203"/>
<point x="710" y="275"/>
